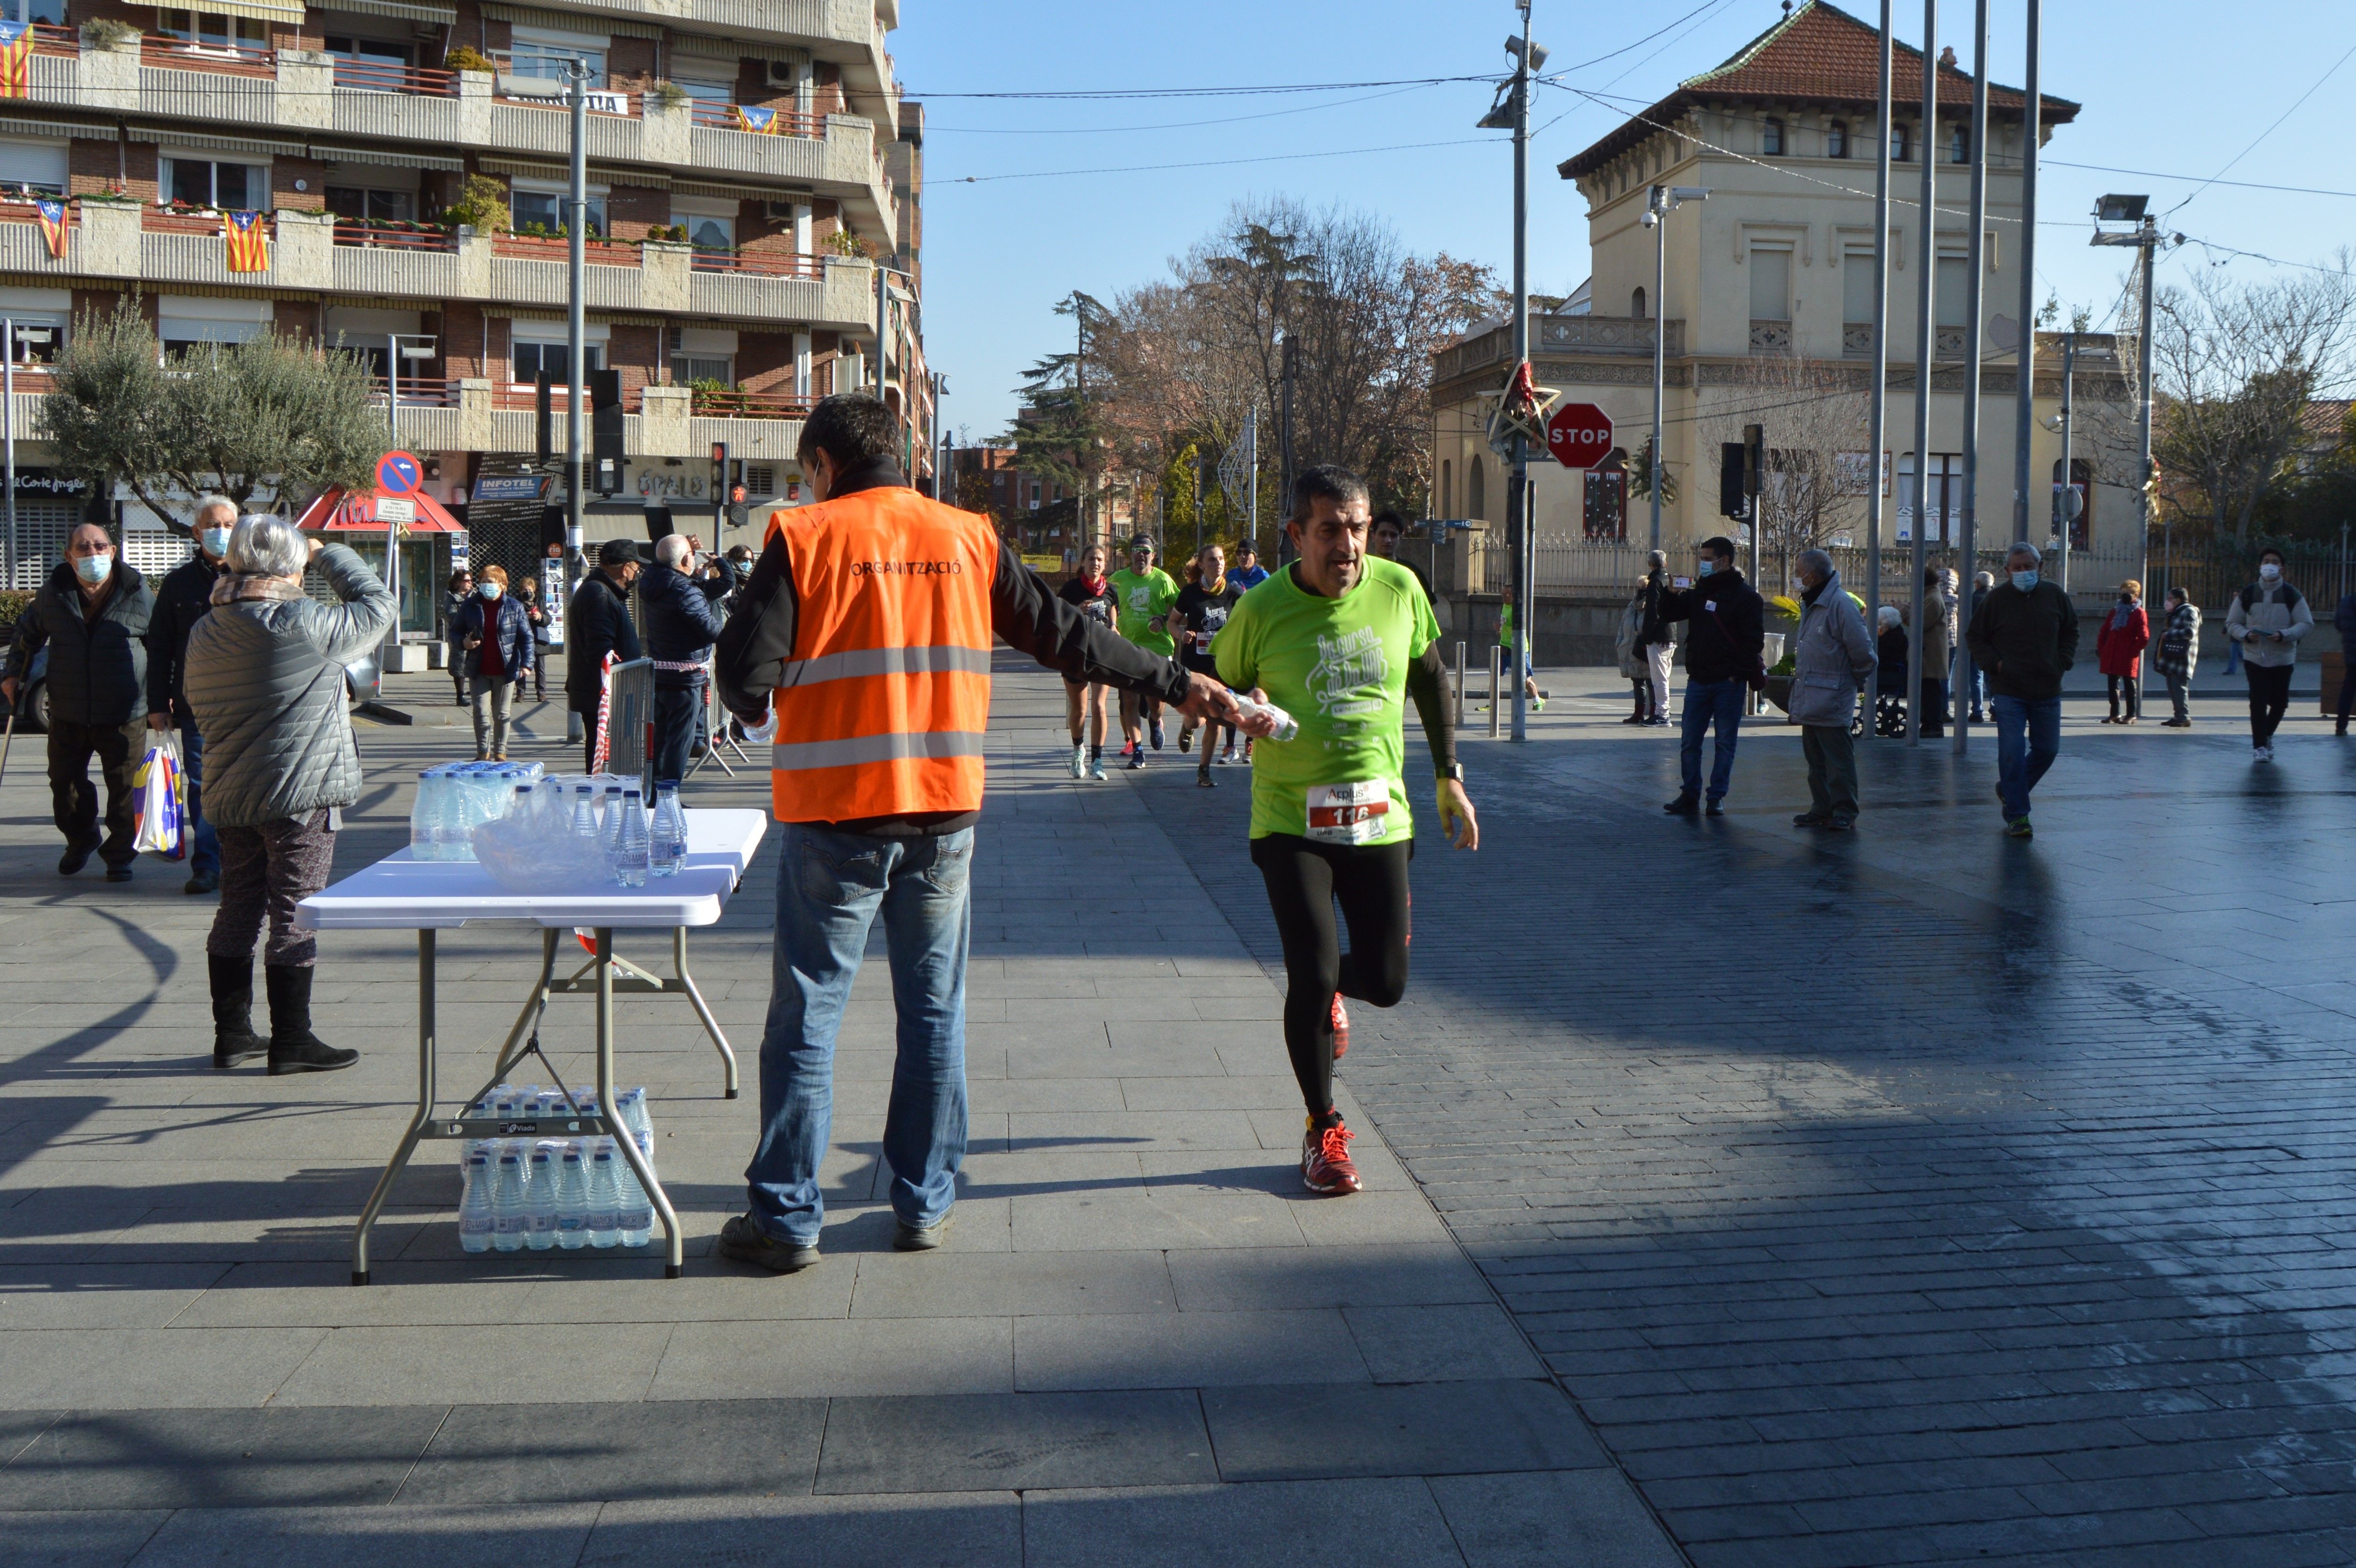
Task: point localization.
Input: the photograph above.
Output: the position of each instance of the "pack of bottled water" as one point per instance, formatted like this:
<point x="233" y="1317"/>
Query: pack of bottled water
<point x="574" y="830"/>
<point x="554" y="1194"/>
<point x="454" y="799"/>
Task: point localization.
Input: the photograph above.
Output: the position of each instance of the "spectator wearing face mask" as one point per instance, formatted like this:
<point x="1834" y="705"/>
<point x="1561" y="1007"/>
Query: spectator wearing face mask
<point x="2179" y="651"/>
<point x="182" y="601"/>
<point x="93" y="614"/>
<point x="2119" y="643"/>
<point x="495" y="636"/>
<point x="2269" y="618"/>
<point x="2025" y="635"/>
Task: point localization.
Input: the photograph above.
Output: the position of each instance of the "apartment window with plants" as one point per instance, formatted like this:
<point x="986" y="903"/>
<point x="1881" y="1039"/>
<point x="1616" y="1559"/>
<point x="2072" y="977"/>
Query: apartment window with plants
<point x="541" y="212"/>
<point x="547" y="56"/>
<point x="210" y="183"/>
<point x="205" y="29"/>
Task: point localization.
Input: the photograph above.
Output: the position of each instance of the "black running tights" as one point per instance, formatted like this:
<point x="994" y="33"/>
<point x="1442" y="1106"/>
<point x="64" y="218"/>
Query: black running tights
<point x="1304" y="881"/>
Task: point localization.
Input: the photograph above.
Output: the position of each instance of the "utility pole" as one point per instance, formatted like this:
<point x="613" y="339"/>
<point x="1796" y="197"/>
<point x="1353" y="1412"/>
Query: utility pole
<point x="1926" y="343"/>
<point x="2066" y="503"/>
<point x="1658" y="203"/>
<point x="1879" y="402"/>
<point x="1967" y="547"/>
<point x="2024" y="412"/>
<point x="2146" y="240"/>
<point x="943" y="490"/>
<point x="1517" y="520"/>
<point x="9" y="437"/>
<point x="576" y="201"/>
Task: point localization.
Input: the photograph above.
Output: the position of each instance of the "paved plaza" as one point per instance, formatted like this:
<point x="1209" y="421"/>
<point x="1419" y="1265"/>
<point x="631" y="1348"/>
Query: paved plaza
<point x="1736" y="1196"/>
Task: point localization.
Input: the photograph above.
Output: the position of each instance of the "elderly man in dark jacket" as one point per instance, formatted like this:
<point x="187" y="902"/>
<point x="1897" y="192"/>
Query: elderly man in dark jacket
<point x="92" y="613"/>
<point x="683" y="618"/>
<point x="2025" y="634"/>
<point x="182" y="601"/>
<point x="597" y="623"/>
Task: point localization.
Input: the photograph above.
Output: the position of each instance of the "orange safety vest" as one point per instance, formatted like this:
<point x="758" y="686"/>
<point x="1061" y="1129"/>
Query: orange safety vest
<point x="881" y="709"/>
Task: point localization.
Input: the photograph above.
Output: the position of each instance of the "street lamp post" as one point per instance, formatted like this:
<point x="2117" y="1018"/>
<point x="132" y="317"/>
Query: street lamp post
<point x="1925" y="346"/>
<point x="1658" y="203"/>
<point x="1513" y="112"/>
<point x="1967" y="546"/>
<point x="2145" y="237"/>
<point x="2024" y="412"/>
<point x="1878" y="401"/>
<point x="576" y="205"/>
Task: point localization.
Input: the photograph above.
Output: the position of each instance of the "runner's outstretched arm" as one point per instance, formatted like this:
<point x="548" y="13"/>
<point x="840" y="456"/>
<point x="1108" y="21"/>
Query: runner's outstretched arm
<point x="1426" y="684"/>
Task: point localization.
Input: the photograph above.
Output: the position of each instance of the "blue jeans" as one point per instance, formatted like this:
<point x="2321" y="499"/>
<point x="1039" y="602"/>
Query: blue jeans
<point x="204" y="859"/>
<point x="1709" y="703"/>
<point x="829" y="888"/>
<point x="2027" y="739"/>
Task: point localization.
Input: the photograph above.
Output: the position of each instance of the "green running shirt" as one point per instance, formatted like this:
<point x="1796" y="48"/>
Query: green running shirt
<point x="1339" y="667"/>
<point x="1145" y="605"/>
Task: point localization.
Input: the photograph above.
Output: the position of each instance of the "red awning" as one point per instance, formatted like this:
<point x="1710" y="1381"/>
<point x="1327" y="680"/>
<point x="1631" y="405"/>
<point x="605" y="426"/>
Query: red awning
<point x="338" y="510"/>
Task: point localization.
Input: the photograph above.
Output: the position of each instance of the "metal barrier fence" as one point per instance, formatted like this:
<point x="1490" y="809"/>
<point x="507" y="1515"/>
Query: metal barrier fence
<point x="630" y="723"/>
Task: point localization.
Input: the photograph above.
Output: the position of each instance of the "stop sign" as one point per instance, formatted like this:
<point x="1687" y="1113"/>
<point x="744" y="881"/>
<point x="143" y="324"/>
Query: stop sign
<point x="1580" y="435"/>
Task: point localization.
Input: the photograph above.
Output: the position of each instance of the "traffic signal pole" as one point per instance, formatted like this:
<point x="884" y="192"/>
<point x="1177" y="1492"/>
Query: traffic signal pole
<point x="1518" y="520"/>
<point x="1926" y="343"/>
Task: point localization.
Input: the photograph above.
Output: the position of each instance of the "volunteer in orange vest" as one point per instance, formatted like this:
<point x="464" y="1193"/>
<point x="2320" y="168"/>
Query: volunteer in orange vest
<point x="867" y="629"/>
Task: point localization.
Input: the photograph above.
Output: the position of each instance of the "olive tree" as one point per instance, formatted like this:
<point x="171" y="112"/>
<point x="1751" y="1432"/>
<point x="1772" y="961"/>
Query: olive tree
<point x="272" y="413"/>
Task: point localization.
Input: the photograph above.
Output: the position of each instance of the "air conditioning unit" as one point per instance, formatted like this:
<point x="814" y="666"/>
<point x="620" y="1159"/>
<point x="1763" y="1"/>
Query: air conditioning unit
<point x="779" y="211"/>
<point x="784" y="74"/>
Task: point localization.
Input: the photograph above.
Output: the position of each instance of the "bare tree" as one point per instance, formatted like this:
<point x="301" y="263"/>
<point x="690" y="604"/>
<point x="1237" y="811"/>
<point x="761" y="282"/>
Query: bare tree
<point x="1818" y="466"/>
<point x="2234" y="367"/>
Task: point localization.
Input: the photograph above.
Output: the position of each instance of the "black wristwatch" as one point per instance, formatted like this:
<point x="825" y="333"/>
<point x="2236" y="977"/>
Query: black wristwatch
<point x="1453" y="772"/>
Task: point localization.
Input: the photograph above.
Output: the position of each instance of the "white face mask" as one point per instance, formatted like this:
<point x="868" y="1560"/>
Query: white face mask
<point x="217" y="542"/>
<point x="2269" y="570"/>
<point x="489" y="590"/>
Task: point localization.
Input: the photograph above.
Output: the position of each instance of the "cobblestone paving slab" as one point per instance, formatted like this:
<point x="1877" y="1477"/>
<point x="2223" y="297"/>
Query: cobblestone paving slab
<point x="1916" y="1195"/>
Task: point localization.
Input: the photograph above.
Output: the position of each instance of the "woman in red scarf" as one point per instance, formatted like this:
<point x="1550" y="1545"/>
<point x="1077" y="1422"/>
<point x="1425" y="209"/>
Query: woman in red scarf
<point x="1089" y="591"/>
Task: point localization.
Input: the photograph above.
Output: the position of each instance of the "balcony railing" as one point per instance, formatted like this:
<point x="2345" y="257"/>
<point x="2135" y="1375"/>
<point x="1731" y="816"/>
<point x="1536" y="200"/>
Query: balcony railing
<point x="222" y="59"/>
<point x="49" y="40"/>
<point x="557" y="248"/>
<point x="526" y="395"/>
<point x="394" y="236"/>
<point x="788" y="122"/>
<point x="760" y="263"/>
<point x="714" y="403"/>
<point x="1771" y="338"/>
<point x="174" y="220"/>
<point x="418" y="391"/>
<point x="417" y="80"/>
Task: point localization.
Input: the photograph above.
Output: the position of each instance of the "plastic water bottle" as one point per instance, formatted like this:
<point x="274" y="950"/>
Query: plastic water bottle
<point x="475" y="1220"/>
<point x="666" y="841"/>
<point x="634" y="1212"/>
<point x="540" y="1200"/>
<point x="604" y="1195"/>
<point x="571" y="1200"/>
<point x="1287" y="726"/>
<point x="630" y="848"/>
<point x="508" y="1221"/>
<point x="421" y="818"/>
<point x="584" y="814"/>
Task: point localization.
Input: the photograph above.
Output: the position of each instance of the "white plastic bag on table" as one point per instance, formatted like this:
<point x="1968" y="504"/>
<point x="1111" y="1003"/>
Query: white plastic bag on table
<point x="162" y="797"/>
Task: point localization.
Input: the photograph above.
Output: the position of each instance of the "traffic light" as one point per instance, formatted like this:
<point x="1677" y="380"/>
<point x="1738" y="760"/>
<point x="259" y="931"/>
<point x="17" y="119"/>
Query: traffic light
<point x="718" y="472"/>
<point x="1729" y="479"/>
<point x="737" y="509"/>
<point x="605" y="429"/>
<point x="544" y="423"/>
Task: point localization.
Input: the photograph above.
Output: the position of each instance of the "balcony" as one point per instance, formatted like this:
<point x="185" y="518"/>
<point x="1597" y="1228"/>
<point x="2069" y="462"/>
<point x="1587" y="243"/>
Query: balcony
<point x="1617" y="335"/>
<point x="1771" y="338"/>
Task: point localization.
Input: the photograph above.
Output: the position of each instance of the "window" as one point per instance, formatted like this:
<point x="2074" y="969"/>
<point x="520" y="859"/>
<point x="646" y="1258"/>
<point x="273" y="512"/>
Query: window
<point x="1954" y="279"/>
<point x="1959" y="144"/>
<point x="200" y="181"/>
<point x="547" y="58"/>
<point x="370" y="64"/>
<point x="1944" y="496"/>
<point x="53" y="12"/>
<point x="1636" y="305"/>
<point x="721" y="92"/>
<point x="710" y="233"/>
<point x="1901" y="149"/>
<point x="362" y="206"/>
<point x="1857" y="288"/>
<point x="203" y="30"/>
<point x="1771" y="285"/>
<point x="546" y="209"/>
<point x="1476" y="492"/>
<point x="686" y="370"/>
<point x="1837" y="139"/>
<point x="1771" y="139"/>
<point x="532" y="359"/>
<point x="33" y="168"/>
<point x="40" y="335"/>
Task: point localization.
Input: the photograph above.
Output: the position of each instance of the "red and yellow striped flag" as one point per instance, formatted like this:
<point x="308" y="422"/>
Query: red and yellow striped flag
<point x="51" y="216"/>
<point x="759" y="121"/>
<point x="248" y="234"/>
<point x="15" y="59"/>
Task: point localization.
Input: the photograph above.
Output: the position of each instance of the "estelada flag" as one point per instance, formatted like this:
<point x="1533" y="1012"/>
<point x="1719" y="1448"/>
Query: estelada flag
<point x="15" y="59"/>
<point x="759" y="121"/>
<point x="52" y="217"/>
<point x="249" y="242"/>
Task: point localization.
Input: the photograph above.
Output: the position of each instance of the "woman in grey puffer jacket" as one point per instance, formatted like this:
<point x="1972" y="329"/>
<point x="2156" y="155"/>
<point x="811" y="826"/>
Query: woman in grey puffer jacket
<point x="265" y="676"/>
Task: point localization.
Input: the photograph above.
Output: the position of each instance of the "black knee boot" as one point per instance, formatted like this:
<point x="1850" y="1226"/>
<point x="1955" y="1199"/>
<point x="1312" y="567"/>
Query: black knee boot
<point x="293" y="1046"/>
<point x="232" y="986"/>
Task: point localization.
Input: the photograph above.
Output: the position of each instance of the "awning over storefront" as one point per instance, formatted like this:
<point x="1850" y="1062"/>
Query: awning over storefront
<point x="366" y="511"/>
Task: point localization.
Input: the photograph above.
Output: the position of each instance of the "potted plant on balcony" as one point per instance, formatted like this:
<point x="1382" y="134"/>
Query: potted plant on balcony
<point x="108" y="33"/>
<point x="481" y="207"/>
<point x="465" y="58"/>
<point x="671" y="95"/>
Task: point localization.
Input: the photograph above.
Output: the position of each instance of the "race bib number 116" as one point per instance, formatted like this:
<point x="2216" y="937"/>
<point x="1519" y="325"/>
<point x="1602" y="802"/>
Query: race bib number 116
<point x="1348" y="813"/>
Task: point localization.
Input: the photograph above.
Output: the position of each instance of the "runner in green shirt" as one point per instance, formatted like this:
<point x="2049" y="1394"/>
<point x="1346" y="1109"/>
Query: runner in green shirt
<point x="1338" y="641"/>
<point x="1144" y="594"/>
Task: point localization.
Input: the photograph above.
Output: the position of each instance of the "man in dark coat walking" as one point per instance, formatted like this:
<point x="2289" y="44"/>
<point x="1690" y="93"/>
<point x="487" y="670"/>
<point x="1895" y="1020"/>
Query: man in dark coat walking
<point x="94" y="615"/>
<point x="597" y="623"/>
<point x="2025" y="634"/>
<point x="683" y="619"/>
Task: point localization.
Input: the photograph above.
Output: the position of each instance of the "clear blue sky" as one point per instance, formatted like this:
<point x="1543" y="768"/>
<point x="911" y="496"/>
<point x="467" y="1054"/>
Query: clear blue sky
<point x="2166" y="86"/>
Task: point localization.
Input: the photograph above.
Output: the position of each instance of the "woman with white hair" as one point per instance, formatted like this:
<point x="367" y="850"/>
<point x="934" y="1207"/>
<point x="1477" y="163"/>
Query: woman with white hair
<point x="265" y="678"/>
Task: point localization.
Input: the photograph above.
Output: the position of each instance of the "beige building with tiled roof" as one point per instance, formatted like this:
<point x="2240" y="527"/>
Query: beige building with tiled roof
<point x="1775" y="268"/>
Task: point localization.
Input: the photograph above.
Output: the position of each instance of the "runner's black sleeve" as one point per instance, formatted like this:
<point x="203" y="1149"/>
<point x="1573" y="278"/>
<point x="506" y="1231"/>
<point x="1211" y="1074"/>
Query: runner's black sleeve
<point x="1033" y="620"/>
<point x="1427" y="684"/>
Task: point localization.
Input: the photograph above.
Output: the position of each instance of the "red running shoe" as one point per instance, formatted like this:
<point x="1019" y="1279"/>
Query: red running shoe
<point x="1325" y="1159"/>
<point x="1341" y="1028"/>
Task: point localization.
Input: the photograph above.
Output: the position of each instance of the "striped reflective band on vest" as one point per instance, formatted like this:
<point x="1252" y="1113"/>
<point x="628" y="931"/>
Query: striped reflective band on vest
<point x="864" y="662"/>
<point x="801" y="755"/>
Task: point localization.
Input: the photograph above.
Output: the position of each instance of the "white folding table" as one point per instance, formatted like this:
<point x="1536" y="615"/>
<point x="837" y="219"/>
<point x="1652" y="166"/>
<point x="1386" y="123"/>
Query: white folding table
<point x="398" y="893"/>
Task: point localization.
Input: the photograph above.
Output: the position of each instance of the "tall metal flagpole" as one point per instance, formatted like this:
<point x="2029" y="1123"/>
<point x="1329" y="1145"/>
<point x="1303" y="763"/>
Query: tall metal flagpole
<point x="2024" y="406"/>
<point x="575" y="332"/>
<point x="2150" y="238"/>
<point x="1959" y="711"/>
<point x="1518" y="516"/>
<point x="1925" y="342"/>
<point x="1659" y="206"/>
<point x="1880" y="417"/>
<point x="8" y="413"/>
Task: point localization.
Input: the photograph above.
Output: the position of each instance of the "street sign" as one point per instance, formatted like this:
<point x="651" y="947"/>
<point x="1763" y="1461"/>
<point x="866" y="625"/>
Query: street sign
<point x="398" y="473"/>
<point x="1580" y="435"/>
<point x="395" y="509"/>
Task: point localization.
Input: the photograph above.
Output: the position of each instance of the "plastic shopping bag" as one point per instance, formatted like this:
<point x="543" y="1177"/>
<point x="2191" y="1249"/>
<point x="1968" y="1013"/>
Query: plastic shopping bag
<point x="162" y="798"/>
